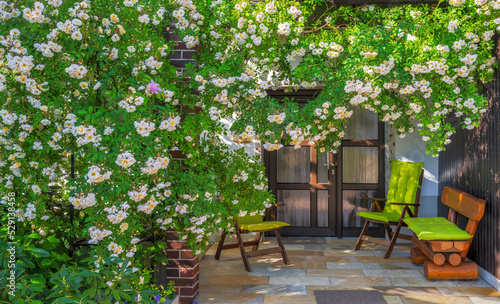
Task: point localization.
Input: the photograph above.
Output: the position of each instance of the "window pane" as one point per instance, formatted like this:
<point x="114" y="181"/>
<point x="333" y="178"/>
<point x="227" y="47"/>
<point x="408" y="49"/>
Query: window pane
<point x="297" y="209"/>
<point x="352" y="205"/>
<point x="323" y="168"/>
<point x="322" y="208"/>
<point x="360" y="165"/>
<point x="294" y="165"/>
<point x="363" y="124"/>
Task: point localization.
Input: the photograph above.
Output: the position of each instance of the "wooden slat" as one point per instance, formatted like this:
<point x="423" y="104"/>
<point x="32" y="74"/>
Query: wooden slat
<point x="263" y="251"/>
<point x="236" y="245"/>
<point x="417" y="256"/>
<point x="437" y="258"/>
<point x="464" y="203"/>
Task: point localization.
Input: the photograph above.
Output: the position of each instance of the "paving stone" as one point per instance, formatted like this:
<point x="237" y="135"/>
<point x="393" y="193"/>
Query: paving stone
<point x="421" y="282"/>
<point x="471" y="283"/>
<point x="485" y="300"/>
<point x="393" y="273"/>
<point x="238" y="280"/>
<point x="469" y="291"/>
<point x="312" y="288"/>
<point x="392" y="299"/>
<point x="360" y="281"/>
<point x="275" y="272"/>
<point x="330" y="265"/>
<point x="222" y="288"/>
<point x="435" y="300"/>
<point x="239" y="271"/>
<point x="409" y="291"/>
<point x="348" y="252"/>
<point x="305" y="265"/>
<point x="345" y="273"/>
<point x="299" y="280"/>
<point x="229" y="298"/>
<point x="380" y="259"/>
<point x="275" y="289"/>
<point x="394" y="253"/>
<point x="285" y="299"/>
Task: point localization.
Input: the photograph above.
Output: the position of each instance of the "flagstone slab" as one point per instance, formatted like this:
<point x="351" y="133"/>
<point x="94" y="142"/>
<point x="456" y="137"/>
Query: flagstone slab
<point x="305" y="265"/>
<point x="229" y="298"/>
<point x="393" y="273"/>
<point x="286" y="299"/>
<point x="345" y="273"/>
<point x="275" y="272"/>
<point x="409" y="291"/>
<point x="238" y="280"/>
<point x="224" y="271"/>
<point x="348" y="252"/>
<point x="485" y="300"/>
<point x="421" y="282"/>
<point x="275" y="289"/>
<point x="394" y="253"/>
<point x="435" y="300"/>
<point x="363" y="266"/>
<point x="471" y="283"/>
<point x="299" y="281"/>
<point x="470" y="292"/>
<point x="222" y="288"/>
<point x="392" y="299"/>
<point x="360" y="281"/>
<point x="380" y="259"/>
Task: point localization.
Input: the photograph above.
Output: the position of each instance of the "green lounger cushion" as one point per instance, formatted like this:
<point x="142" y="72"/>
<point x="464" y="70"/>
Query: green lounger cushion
<point x="263" y="226"/>
<point x="436" y="229"/>
<point x="255" y="222"/>
<point x="403" y="185"/>
<point x="380" y="216"/>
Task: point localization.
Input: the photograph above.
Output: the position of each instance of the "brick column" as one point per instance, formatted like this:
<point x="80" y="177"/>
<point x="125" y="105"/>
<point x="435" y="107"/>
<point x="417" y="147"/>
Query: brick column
<point x="183" y="268"/>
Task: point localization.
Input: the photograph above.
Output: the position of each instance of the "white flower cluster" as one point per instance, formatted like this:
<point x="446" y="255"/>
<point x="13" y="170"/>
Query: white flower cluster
<point x="35" y="14"/>
<point x="130" y="102"/>
<point x="368" y="54"/>
<point x="148" y="206"/>
<point x="247" y="135"/>
<point x="170" y="124"/>
<point x="243" y="176"/>
<point x="83" y="202"/>
<point x="277" y="118"/>
<point x="125" y="160"/>
<point x="94" y="175"/>
<point x="155" y="164"/>
<point x="23" y="66"/>
<point x="382" y="69"/>
<point x="214" y="113"/>
<point x="97" y="235"/>
<point x="272" y="146"/>
<point x="137" y="196"/>
<point x="181" y="209"/>
<point x="48" y="49"/>
<point x="294" y="11"/>
<point x="116" y="215"/>
<point x="270" y="8"/>
<point x="83" y="134"/>
<point x="296" y="54"/>
<point x="144" y="128"/>
<point x="164" y="222"/>
<point x="76" y="71"/>
<point x="29" y="214"/>
<point x="284" y="29"/>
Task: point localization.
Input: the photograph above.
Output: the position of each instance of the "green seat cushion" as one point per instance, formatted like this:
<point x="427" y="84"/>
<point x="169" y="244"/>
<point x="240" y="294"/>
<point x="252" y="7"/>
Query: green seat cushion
<point x="403" y="185"/>
<point x="380" y="216"/>
<point x="436" y="229"/>
<point x="250" y="219"/>
<point x="263" y="226"/>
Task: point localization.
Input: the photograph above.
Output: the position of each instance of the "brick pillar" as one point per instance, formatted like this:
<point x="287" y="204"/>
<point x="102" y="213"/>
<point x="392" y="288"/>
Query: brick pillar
<point x="183" y="268"/>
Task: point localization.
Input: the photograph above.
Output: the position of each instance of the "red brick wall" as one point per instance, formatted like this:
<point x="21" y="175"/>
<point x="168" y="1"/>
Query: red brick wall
<point x="183" y="268"/>
<point x="181" y="55"/>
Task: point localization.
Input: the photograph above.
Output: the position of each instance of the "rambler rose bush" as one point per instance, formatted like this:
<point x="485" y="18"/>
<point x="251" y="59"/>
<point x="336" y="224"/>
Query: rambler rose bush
<point x="413" y="65"/>
<point x="92" y="79"/>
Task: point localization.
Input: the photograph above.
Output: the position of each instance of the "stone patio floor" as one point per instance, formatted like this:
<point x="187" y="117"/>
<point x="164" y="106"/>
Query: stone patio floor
<point x="329" y="263"/>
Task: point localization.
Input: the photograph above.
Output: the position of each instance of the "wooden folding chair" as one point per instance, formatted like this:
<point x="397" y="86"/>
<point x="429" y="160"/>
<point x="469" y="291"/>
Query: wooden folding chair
<point x="402" y="201"/>
<point x="257" y="224"/>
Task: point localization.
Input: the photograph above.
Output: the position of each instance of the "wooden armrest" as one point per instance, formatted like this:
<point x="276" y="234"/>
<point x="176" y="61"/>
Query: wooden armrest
<point x="404" y="204"/>
<point x="373" y="199"/>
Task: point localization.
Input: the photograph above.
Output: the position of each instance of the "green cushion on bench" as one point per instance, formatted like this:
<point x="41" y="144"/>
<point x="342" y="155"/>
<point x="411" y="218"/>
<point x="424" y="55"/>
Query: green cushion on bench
<point x="380" y="216"/>
<point x="263" y="226"/>
<point x="436" y="229"/>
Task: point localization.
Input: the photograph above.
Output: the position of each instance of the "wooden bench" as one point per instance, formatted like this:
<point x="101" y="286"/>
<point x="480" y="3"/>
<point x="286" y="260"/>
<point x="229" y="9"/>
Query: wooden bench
<point x="441" y="245"/>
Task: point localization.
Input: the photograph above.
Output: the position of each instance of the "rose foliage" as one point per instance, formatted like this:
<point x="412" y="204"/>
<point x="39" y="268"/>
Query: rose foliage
<point x="91" y="81"/>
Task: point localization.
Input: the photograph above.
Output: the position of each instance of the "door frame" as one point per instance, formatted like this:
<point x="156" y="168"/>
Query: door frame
<point x="270" y="161"/>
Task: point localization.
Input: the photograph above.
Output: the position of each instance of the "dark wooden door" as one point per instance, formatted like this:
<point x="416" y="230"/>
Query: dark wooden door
<point x="304" y="181"/>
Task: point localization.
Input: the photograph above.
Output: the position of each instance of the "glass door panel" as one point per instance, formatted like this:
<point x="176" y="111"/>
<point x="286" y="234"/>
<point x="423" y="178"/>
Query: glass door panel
<point x="352" y="205"/>
<point x="296" y="210"/>
<point x="322" y="207"/>
<point x="360" y="165"/>
<point x="363" y="125"/>
<point x="293" y="165"/>
<point x="323" y="165"/>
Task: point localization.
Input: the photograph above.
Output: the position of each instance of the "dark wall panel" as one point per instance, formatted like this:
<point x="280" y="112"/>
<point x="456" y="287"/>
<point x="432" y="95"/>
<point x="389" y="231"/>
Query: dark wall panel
<point x="472" y="163"/>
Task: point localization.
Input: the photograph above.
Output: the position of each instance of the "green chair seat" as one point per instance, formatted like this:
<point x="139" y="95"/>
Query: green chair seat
<point x="380" y="216"/>
<point x="267" y="225"/>
<point x="436" y="229"/>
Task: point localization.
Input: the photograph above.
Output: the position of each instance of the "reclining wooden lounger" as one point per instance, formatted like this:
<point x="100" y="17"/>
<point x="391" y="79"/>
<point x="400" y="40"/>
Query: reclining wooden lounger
<point x="442" y="246"/>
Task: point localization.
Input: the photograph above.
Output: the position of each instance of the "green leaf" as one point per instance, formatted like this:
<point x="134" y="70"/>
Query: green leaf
<point x="38" y="252"/>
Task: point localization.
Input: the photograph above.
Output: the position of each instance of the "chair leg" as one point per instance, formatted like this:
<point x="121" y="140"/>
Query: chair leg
<point x="389" y="231"/>
<point x="280" y="243"/>
<point x="257" y="241"/>
<point x="363" y="232"/>
<point x="221" y="244"/>
<point x="393" y="240"/>
<point x="243" y="252"/>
